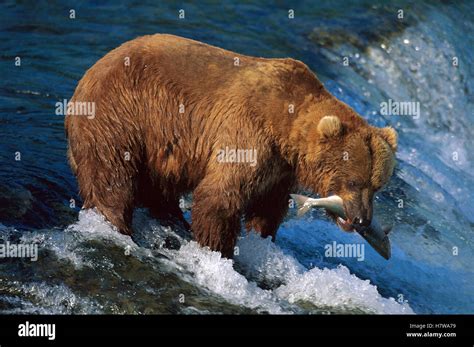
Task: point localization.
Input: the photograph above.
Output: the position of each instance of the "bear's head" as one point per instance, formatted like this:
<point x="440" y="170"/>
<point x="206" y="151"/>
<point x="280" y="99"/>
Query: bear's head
<point x="353" y="162"/>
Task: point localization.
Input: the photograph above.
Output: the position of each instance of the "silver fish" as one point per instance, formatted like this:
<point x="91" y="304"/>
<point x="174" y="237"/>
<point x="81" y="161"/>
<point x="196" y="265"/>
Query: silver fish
<point x="374" y="234"/>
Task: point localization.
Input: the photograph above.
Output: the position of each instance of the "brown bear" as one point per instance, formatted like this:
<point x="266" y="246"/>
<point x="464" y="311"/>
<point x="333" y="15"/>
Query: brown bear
<point x="174" y="116"/>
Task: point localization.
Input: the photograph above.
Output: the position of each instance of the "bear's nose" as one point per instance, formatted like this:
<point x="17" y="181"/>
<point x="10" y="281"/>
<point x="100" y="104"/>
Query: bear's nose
<point x="361" y="222"/>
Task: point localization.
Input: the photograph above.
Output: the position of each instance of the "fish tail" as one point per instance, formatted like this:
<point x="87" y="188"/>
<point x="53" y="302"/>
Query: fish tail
<point x="302" y="210"/>
<point x="300" y="201"/>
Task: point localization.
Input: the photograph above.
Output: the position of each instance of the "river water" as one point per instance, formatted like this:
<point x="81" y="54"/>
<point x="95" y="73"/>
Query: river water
<point x="84" y="266"/>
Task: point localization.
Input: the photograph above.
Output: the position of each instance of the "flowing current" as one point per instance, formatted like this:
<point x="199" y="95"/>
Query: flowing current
<point x="363" y="52"/>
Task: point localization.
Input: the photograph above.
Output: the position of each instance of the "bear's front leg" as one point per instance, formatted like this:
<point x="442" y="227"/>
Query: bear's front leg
<point x="215" y="217"/>
<point x="265" y="213"/>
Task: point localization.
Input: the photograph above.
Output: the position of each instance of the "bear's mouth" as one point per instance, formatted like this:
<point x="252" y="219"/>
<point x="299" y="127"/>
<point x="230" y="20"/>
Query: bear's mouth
<point x="345" y="224"/>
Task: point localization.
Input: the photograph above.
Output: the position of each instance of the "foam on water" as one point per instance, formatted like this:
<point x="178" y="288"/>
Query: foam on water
<point x="262" y="277"/>
<point x="331" y="288"/>
<point x="218" y="275"/>
<point x="340" y="289"/>
<point x="44" y="298"/>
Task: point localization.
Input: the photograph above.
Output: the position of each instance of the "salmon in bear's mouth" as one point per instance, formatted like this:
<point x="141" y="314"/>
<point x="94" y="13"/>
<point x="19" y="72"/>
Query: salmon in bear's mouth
<point x="332" y="204"/>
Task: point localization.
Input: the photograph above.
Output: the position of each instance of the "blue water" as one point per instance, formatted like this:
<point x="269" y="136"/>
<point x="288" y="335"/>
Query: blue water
<point x="82" y="267"/>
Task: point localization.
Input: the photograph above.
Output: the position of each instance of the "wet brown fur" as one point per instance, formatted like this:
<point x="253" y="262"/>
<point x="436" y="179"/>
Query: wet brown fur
<point x="245" y="106"/>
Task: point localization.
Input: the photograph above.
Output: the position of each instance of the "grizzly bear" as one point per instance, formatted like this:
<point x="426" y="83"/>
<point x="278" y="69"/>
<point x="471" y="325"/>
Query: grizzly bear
<point x="176" y="116"/>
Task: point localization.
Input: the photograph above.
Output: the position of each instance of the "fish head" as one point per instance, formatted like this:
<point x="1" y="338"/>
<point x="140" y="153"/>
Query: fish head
<point x="356" y="163"/>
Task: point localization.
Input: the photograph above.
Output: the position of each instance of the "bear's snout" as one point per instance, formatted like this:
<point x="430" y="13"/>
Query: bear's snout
<point x="359" y="214"/>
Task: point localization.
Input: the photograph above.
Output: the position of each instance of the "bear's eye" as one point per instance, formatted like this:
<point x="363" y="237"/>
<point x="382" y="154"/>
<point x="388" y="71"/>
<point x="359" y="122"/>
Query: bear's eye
<point x="352" y="184"/>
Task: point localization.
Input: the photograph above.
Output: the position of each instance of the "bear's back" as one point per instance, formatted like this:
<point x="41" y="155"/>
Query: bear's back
<point x="196" y="68"/>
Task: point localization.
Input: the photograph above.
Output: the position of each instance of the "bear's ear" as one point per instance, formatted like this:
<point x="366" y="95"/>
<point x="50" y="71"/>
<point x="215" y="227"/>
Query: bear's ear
<point x="390" y="136"/>
<point x="329" y="126"/>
